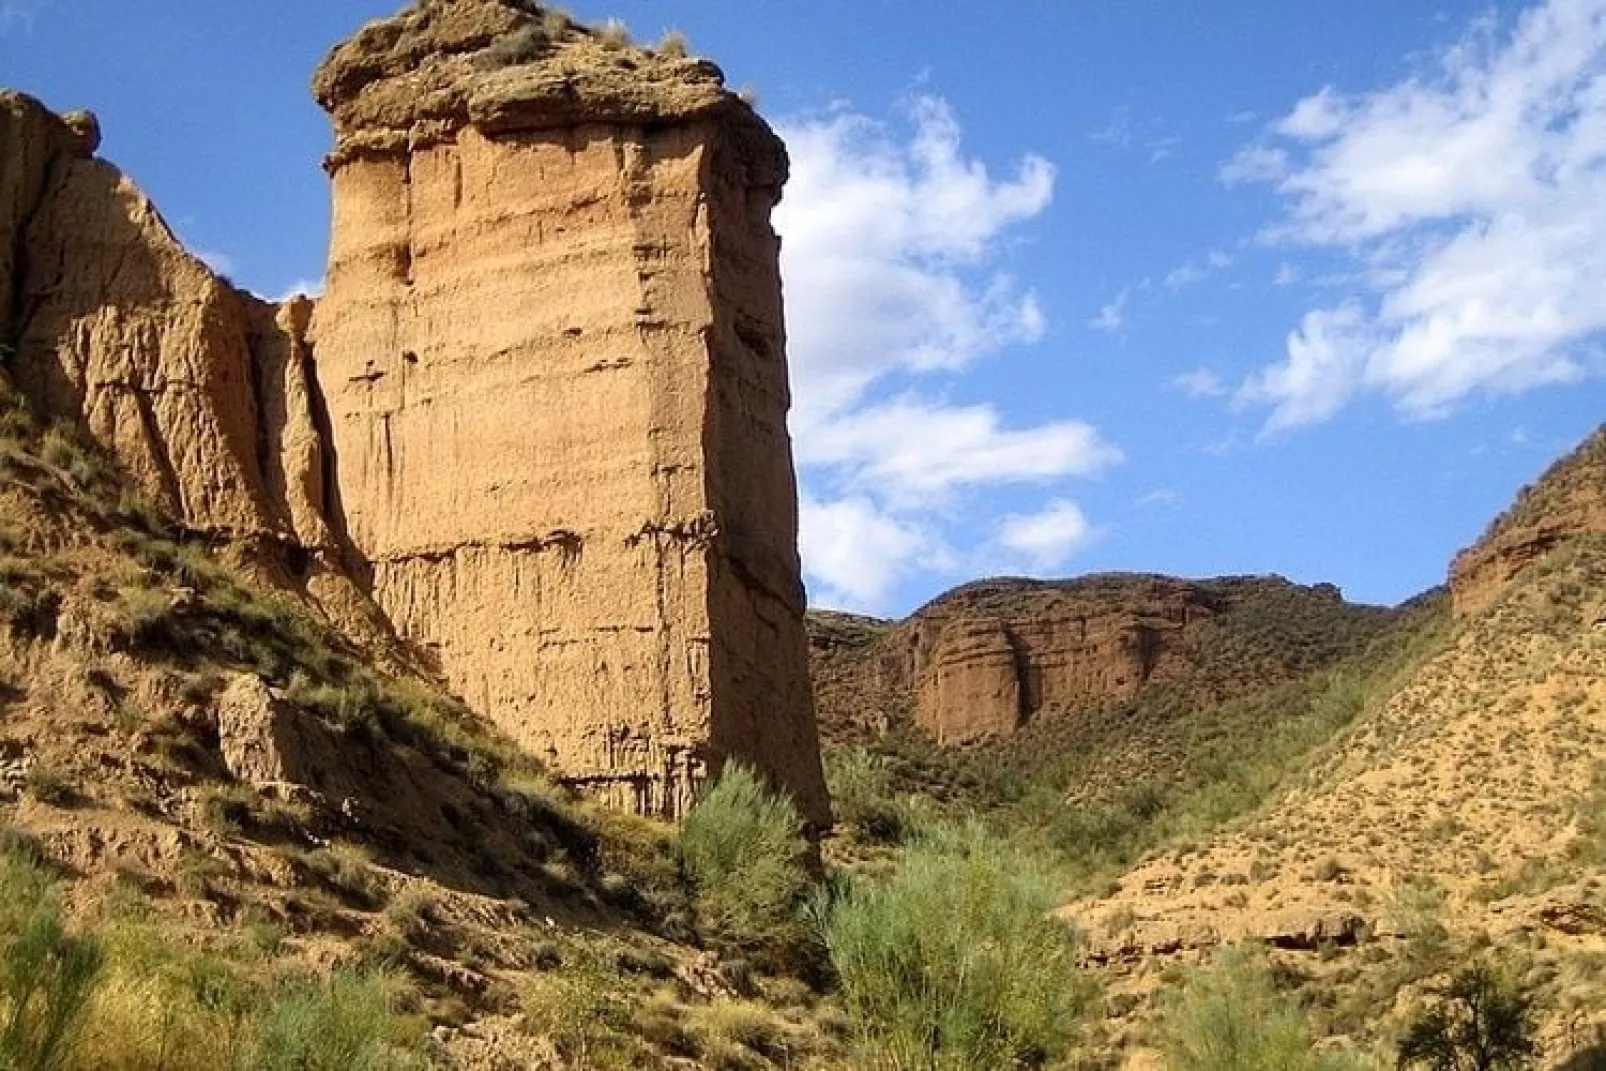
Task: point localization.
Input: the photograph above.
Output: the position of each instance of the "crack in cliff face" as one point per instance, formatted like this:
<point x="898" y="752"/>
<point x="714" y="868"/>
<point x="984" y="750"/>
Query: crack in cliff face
<point x="18" y="316"/>
<point x="569" y="544"/>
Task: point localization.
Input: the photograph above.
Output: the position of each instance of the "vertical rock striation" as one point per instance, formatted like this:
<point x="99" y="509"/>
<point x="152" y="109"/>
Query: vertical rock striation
<point x="203" y="393"/>
<point x="553" y="356"/>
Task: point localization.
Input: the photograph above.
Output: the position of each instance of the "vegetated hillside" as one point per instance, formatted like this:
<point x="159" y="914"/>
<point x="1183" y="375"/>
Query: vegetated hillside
<point x="1424" y="796"/>
<point x="1123" y="679"/>
<point x="1461" y="817"/>
<point x="1002" y="659"/>
<point x="238" y="805"/>
<point x="1568" y="499"/>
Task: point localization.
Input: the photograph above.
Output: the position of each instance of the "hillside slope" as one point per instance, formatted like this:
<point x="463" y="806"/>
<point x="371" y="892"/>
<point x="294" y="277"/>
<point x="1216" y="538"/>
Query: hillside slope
<point x="1462" y="815"/>
<point x="239" y="805"/>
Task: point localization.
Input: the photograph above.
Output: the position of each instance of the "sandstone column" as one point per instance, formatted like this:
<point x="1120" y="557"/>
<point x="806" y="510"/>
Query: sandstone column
<point x="552" y="354"/>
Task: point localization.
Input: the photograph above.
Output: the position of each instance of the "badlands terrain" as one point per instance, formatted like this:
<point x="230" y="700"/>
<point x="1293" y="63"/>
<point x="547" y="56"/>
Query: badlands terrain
<point x="357" y="711"/>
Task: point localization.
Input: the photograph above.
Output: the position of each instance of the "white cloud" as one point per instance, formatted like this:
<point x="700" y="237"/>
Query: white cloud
<point x="19" y="13"/>
<point x="893" y="242"/>
<point x="1473" y="199"/>
<point x="856" y="551"/>
<point x="1196" y="270"/>
<point x="1047" y="539"/>
<point x="1326" y="355"/>
<point x="886" y="250"/>
<point x="312" y="288"/>
<point x="220" y="263"/>
<point x="1112" y="315"/>
<point x="1200" y="383"/>
<point x="913" y="453"/>
<point x="1160" y="498"/>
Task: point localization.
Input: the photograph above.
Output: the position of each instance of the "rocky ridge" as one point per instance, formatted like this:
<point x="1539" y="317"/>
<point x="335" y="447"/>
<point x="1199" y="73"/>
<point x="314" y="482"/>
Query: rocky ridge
<point x="987" y="660"/>
<point x="1568" y="500"/>
<point x="579" y="511"/>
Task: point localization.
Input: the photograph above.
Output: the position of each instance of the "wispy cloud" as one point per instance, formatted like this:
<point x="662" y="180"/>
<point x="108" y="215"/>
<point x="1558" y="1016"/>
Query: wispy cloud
<point x="219" y="262"/>
<point x="892" y="257"/>
<point x="1200" y="383"/>
<point x="1195" y="271"/>
<point x="301" y="288"/>
<point x="1471" y="199"/>
<point x="20" y="14"/>
<point x="1111" y="316"/>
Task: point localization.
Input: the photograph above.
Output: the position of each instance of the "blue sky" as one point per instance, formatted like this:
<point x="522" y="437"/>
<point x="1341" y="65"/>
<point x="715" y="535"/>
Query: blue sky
<point x="1263" y="287"/>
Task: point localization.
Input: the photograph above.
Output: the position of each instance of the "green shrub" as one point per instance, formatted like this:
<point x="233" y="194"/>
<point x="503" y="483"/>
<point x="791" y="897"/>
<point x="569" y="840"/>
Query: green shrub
<point x="1482" y="1022"/>
<point x="349" y="1023"/>
<point x="861" y="793"/>
<point x="956" y="962"/>
<point x="1231" y="1018"/>
<point x="743" y="851"/>
<point x="49" y="785"/>
<point x="586" y="1014"/>
<point x="347" y="871"/>
<point x="46" y="975"/>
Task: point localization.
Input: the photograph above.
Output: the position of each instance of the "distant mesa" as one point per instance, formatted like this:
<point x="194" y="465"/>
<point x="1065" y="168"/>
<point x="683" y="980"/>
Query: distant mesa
<point x="988" y="659"/>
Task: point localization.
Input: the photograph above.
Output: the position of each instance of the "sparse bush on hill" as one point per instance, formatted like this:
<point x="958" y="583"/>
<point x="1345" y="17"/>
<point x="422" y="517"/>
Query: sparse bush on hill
<point x="861" y="795"/>
<point x="613" y="34"/>
<point x="1231" y="1018"/>
<point x="349" y="1023"/>
<point x="46" y="974"/>
<point x="743" y="849"/>
<point x="955" y="962"/>
<point x="1481" y="1021"/>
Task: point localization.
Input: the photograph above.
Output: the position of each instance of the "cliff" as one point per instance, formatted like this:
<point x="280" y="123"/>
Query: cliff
<point x="1568" y="500"/>
<point x="536" y="427"/>
<point x="987" y="660"/>
<point x="553" y="352"/>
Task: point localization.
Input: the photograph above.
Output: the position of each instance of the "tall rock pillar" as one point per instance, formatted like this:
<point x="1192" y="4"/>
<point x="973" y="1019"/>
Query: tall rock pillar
<point x="552" y="354"/>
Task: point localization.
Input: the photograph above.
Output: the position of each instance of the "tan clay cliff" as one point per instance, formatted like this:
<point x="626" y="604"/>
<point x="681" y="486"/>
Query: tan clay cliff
<point x="985" y="660"/>
<point x="538" y="419"/>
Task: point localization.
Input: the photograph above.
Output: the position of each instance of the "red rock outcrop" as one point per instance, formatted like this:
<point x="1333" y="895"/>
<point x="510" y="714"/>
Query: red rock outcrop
<point x="537" y="426"/>
<point x="1568" y="500"/>
<point x="983" y="661"/>
<point x="553" y="354"/>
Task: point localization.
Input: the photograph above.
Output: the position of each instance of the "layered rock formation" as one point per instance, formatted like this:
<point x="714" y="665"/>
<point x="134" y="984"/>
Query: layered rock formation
<point x="985" y="660"/>
<point x="553" y="352"/>
<point x="205" y="394"/>
<point x="1568" y="500"/>
<point x="538" y="418"/>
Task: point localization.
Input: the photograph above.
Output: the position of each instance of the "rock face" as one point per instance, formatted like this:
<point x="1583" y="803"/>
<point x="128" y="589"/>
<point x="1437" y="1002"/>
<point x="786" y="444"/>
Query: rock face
<point x="206" y="396"/>
<point x="537" y="426"/>
<point x="1568" y="500"/>
<point x="553" y="353"/>
<point x="985" y="660"/>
